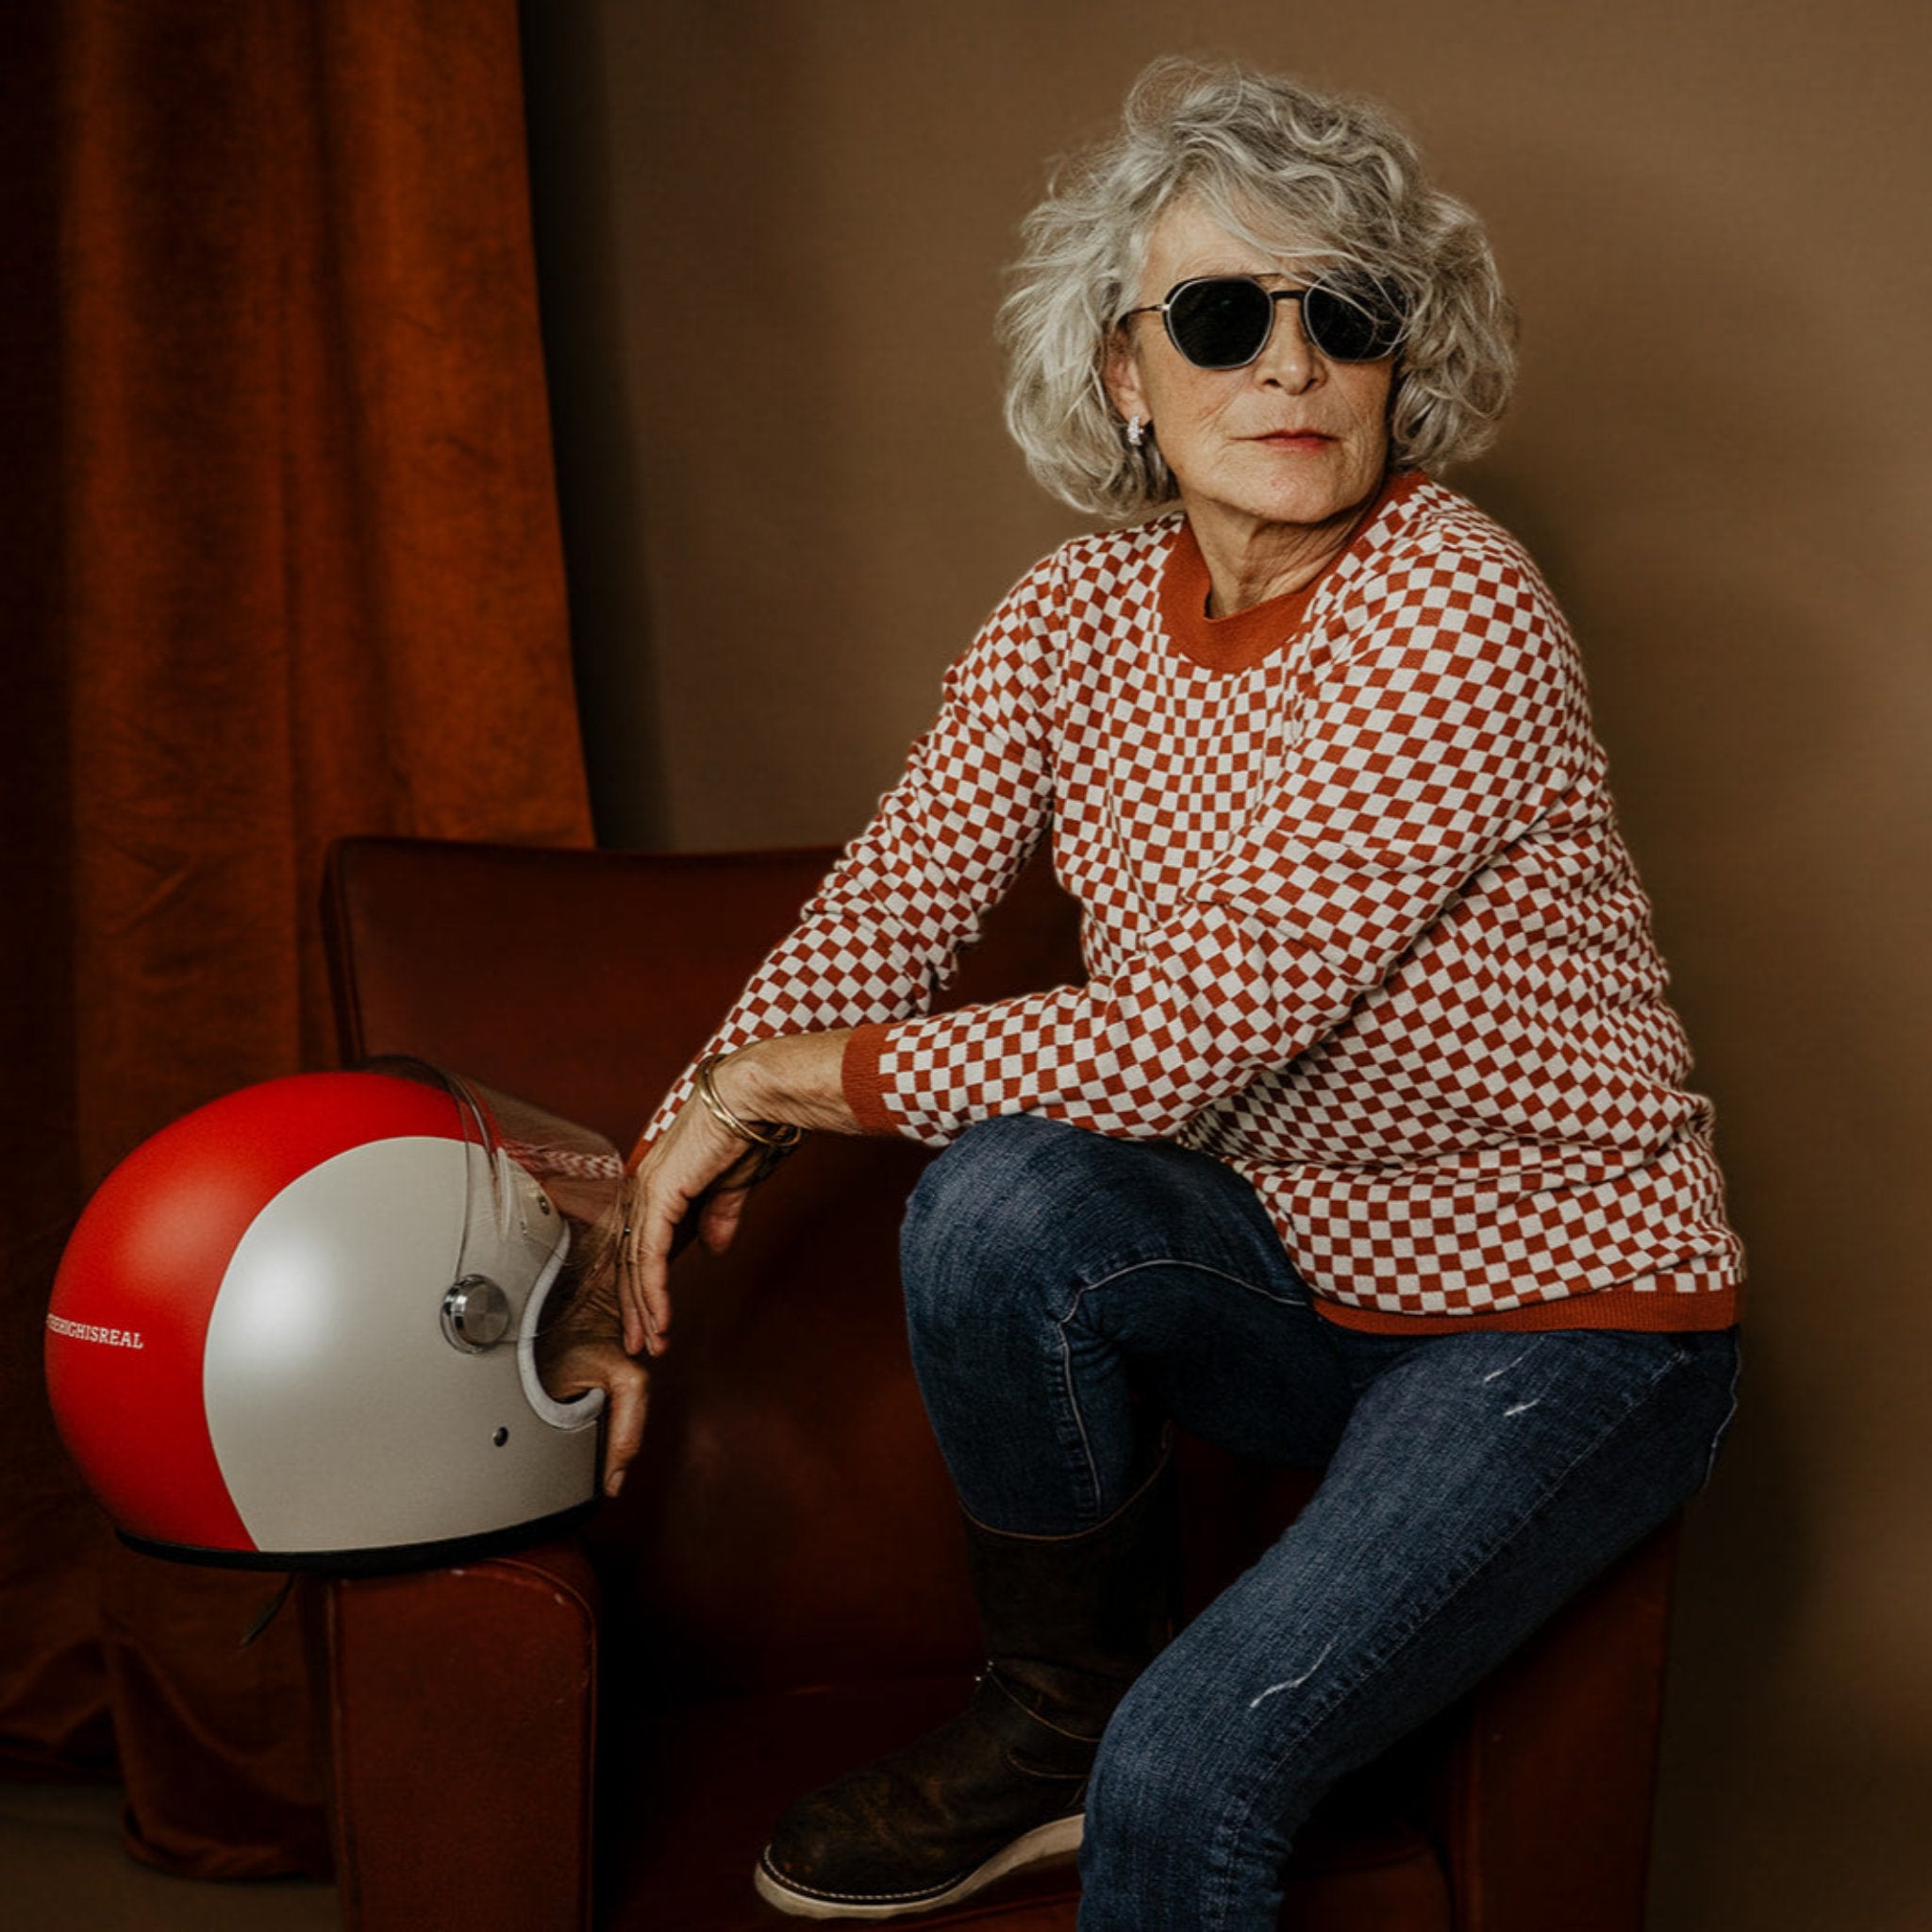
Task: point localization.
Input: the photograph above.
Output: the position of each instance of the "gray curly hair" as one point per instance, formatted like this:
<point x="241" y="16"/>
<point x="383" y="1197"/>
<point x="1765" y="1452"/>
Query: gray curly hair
<point x="1329" y="181"/>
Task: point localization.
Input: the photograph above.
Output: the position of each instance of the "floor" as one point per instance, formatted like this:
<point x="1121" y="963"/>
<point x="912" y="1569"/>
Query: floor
<point x="62" y="1870"/>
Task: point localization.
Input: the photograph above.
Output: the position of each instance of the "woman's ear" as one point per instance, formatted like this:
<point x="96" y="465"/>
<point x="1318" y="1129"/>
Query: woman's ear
<point x="1121" y="374"/>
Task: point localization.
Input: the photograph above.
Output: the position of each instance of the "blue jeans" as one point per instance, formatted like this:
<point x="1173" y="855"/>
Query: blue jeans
<point x="1068" y="1294"/>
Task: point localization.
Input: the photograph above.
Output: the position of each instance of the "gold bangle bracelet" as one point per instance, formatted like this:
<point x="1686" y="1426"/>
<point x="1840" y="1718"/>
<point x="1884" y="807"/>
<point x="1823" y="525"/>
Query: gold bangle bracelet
<point x="779" y="1135"/>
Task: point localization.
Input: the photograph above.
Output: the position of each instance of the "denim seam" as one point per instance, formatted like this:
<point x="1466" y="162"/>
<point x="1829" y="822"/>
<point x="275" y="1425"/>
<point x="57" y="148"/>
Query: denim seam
<point x="1107" y="1280"/>
<point x="1223" y="1849"/>
<point x="1073" y="1310"/>
<point x="1071" y="1407"/>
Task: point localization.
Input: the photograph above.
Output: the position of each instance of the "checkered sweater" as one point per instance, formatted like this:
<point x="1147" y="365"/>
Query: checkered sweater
<point x="1357" y="919"/>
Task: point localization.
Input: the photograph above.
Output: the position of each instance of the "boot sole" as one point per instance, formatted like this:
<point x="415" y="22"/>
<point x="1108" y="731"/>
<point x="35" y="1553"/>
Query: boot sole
<point x="1050" y="1841"/>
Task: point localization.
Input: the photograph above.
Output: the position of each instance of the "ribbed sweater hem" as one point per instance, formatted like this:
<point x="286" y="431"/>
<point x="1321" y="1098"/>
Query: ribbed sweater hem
<point x="1649" y="1311"/>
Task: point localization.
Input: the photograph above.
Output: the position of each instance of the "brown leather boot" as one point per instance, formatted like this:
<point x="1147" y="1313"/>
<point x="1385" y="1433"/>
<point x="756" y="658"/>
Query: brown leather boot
<point x="1070" y="1622"/>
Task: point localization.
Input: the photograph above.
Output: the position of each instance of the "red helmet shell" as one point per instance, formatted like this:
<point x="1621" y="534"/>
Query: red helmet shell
<point x="177" y="1241"/>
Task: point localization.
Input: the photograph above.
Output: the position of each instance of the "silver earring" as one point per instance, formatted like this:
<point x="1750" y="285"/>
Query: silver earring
<point x="1137" y="432"/>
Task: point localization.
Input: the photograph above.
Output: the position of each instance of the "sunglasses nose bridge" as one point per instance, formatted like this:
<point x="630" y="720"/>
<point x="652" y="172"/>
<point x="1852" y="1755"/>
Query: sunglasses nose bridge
<point x="1287" y="344"/>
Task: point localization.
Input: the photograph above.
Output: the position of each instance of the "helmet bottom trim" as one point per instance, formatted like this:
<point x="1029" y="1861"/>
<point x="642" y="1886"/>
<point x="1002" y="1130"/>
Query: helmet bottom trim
<point x="370" y="1562"/>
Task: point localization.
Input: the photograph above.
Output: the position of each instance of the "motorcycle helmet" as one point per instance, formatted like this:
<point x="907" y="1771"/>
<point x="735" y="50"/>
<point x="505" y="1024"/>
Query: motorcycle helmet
<point x="297" y="1329"/>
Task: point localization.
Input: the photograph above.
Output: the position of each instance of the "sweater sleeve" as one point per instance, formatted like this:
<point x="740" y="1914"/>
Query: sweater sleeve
<point x="882" y="934"/>
<point x="1452" y="722"/>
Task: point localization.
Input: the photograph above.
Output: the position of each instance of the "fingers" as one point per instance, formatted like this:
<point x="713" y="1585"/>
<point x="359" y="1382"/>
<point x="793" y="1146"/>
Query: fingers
<point x="655" y="1251"/>
<point x="719" y="1218"/>
<point x="579" y="1364"/>
<point x="688" y="1183"/>
<point x="627" y="1397"/>
<point x="643" y="1260"/>
<point x="655" y="1234"/>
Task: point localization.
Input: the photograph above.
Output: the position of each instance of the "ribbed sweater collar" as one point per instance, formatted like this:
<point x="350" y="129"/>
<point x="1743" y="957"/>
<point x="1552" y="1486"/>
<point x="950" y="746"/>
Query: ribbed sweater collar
<point x="1237" y="642"/>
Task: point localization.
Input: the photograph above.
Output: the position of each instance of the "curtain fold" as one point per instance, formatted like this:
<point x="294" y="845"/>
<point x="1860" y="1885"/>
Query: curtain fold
<point x="282" y="544"/>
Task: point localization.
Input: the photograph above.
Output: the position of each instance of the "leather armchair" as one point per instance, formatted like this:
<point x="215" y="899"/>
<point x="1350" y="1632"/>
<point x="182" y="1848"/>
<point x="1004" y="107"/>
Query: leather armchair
<point x="601" y="1731"/>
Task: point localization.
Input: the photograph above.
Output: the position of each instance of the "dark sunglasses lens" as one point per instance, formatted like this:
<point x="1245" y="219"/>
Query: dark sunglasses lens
<point x="1220" y="325"/>
<point x="1352" y="322"/>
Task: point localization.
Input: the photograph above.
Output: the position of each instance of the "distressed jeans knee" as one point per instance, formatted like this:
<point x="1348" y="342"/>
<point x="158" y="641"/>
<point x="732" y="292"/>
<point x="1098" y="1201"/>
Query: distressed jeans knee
<point x="974" y="1229"/>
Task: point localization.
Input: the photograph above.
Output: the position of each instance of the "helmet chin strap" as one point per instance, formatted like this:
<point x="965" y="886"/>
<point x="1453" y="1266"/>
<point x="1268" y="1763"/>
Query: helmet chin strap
<point x="269" y="1611"/>
<point x="581" y="1410"/>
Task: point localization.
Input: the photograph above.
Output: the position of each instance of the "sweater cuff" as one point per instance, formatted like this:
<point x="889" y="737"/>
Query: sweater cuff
<point x="863" y="1084"/>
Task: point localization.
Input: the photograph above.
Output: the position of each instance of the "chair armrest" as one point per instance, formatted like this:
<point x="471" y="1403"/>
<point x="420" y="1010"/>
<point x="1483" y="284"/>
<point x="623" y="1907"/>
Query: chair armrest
<point x="463" y="1719"/>
<point x="1543" y="1810"/>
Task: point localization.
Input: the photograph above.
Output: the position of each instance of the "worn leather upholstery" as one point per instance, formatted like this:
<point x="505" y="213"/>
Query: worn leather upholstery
<point x="780" y="1592"/>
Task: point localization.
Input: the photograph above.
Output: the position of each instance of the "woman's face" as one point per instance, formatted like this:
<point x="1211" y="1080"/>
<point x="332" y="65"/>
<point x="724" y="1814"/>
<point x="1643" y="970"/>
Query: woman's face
<point x="1292" y="439"/>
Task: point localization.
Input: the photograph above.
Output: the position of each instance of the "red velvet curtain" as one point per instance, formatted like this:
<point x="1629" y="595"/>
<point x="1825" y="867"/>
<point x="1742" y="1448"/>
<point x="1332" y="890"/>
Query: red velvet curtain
<point x="281" y="563"/>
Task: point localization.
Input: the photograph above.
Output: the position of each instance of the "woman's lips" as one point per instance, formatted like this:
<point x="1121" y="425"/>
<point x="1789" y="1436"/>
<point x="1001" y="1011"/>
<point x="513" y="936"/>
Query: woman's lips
<point x="1295" y="439"/>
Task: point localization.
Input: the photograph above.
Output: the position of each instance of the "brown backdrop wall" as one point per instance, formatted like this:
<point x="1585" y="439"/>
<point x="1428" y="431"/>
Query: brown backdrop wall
<point x="771" y="240"/>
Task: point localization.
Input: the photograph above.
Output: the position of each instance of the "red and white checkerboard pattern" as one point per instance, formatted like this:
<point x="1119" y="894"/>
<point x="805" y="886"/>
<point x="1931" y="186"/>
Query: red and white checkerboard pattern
<point x="1358" y="921"/>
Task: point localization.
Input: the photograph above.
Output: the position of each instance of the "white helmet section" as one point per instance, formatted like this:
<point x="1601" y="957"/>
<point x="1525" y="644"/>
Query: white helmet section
<point x="345" y="1408"/>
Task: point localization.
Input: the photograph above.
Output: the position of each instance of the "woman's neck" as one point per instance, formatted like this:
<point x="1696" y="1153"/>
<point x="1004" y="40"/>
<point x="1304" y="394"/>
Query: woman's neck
<point x="1250" y="560"/>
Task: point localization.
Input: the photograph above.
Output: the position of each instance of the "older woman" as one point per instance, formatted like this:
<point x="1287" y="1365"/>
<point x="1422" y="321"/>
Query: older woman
<point x="1364" y="1145"/>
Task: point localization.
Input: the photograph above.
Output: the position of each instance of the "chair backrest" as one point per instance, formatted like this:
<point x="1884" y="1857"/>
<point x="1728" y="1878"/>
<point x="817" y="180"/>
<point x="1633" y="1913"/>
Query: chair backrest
<point x="790" y="1518"/>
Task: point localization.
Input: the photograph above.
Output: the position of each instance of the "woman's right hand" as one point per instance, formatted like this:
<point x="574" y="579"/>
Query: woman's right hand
<point x="697" y="1173"/>
<point x="693" y="1182"/>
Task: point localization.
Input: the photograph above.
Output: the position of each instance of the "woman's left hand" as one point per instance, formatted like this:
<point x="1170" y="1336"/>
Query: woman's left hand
<point x="577" y="1360"/>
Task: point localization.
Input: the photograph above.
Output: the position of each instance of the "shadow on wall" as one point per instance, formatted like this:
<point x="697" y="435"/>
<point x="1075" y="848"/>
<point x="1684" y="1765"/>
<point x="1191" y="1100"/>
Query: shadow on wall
<point x="580" y="260"/>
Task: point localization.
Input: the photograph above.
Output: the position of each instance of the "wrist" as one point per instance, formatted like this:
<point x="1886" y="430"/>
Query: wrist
<point x="735" y="1080"/>
<point x="792" y="1079"/>
<point x="745" y="1114"/>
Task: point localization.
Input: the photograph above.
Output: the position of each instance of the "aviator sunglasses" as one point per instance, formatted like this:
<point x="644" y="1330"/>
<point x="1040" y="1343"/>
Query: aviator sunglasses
<point x="1223" y="321"/>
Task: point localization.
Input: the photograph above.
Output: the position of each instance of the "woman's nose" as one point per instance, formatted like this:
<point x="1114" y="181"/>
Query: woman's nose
<point x="1288" y="358"/>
